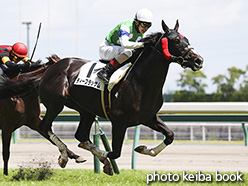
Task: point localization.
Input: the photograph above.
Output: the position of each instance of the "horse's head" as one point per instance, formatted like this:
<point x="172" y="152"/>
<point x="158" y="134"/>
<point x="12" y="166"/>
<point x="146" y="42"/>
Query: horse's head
<point x="176" y="48"/>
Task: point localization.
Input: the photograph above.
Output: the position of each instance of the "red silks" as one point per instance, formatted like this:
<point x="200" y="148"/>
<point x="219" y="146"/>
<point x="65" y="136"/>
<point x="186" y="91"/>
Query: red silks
<point x="114" y="62"/>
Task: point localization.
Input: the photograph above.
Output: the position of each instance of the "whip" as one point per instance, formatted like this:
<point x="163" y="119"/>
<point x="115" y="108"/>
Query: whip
<point x="36" y="42"/>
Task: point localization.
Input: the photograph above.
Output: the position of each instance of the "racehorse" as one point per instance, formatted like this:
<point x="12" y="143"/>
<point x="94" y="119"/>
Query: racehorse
<point x="135" y="100"/>
<point x="23" y="110"/>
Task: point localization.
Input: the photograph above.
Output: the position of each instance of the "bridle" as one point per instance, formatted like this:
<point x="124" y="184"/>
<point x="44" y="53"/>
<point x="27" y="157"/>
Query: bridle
<point x="177" y="59"/>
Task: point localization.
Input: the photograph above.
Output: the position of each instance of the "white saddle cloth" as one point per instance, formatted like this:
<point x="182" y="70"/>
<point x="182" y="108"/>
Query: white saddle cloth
<point x="88" y="76"/>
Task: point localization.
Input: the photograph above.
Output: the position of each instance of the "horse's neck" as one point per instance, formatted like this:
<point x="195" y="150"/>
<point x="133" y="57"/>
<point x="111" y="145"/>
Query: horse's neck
<point x="36" y="73"/>
<point x="142" y="89"/>
<point x="152" y="72"/>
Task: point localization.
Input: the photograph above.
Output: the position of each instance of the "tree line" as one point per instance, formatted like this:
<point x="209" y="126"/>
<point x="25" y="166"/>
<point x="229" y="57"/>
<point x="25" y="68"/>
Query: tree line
<point x="230" y="87"/>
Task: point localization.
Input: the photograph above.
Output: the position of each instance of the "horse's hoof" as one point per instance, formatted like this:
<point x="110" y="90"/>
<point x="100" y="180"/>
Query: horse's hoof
<point x="62" y="162"/>
<point x="140" y="149"/>
<point x="107" y="168"/>
<point x="80" y="160"/>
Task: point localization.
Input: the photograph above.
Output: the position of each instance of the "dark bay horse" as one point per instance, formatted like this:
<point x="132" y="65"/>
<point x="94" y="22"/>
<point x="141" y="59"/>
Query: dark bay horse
<point x="22" y="110"/>
<point x="135" y="100"/>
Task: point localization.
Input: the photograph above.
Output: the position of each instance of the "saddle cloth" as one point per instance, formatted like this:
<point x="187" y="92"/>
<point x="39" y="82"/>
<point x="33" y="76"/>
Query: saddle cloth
<point x="88" y="76"/>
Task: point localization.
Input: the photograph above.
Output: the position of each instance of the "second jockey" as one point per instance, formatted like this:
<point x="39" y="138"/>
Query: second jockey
<point x="11" y="55"/>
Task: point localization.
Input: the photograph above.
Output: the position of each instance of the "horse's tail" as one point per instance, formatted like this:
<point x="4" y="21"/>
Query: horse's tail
<point x="10" y="88"/>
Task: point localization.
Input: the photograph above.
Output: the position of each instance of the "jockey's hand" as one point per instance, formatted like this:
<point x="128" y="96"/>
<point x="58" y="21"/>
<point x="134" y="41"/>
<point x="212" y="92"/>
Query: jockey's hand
<point x="16" y="66"/>
<point x="25" y="66"/>
<point x="30" y="61"/>
<point x="36" y="64"/>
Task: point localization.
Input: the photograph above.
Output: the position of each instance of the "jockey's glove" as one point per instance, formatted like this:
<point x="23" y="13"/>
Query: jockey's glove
<point x="16" y="66"/>
<point x="36" y="64"/>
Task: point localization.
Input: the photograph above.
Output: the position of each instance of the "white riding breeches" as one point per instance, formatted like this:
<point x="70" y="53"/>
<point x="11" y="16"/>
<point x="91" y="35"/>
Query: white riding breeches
<point x="1" y="71"/>
<point x="108" y="52"/>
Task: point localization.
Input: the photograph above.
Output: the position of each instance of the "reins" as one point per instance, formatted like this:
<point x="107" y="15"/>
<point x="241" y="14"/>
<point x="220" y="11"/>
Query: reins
<point x="140" y="56"/>
<point x="133" y="65"/>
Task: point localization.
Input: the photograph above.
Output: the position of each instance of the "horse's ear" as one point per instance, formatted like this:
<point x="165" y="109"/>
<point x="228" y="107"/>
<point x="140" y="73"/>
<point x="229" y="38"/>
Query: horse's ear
<point x="176" y="26"/>
<point x="165" y="27"/>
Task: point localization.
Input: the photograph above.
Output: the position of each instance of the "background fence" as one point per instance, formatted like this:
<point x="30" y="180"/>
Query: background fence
<point x="187" y="125"/>
<point x="183" y="131"/>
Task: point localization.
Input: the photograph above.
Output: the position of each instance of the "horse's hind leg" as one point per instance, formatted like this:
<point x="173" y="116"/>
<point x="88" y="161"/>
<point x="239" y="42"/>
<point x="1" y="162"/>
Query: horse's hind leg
<point x="34" y="125"/>
<point x="158" y="125"/>
<point x="45" y="126"/>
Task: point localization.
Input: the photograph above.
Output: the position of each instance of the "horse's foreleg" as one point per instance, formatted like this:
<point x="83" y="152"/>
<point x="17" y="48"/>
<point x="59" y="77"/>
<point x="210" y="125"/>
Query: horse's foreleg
<point x="118" y="134"/>
<point x="6" y="137"/>
<point x="101" y="155"/>
<point x="77" y="158"/>
<point x="63" y="159"/>
<point x="153" y="151"/>
<point x="157" y="124"/>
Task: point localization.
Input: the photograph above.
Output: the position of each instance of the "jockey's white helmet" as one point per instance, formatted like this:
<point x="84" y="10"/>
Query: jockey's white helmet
<point x="144" y="15"/>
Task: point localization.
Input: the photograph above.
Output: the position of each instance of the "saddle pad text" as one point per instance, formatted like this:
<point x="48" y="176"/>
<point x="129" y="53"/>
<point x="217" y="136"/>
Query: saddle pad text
<point x="87" y="76"/>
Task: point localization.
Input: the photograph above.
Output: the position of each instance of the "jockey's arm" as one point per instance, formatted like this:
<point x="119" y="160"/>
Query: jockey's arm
<point x="13" y="65"/>
<point x="124" y="39"/>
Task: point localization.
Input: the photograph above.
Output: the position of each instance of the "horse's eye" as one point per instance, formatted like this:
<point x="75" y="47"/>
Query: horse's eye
<point x="177" y="41"/>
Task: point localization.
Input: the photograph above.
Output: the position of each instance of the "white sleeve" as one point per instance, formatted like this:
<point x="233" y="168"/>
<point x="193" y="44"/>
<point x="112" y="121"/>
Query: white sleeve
<point x="125" y="43"/>
<point x="124" y="39"/>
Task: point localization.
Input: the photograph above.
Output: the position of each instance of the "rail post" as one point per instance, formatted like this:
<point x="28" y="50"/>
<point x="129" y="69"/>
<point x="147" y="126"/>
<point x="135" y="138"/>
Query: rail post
<point x="246" y="135"/>
<point x="135" y="143"/>
<point x="107" y="147"/>
<point x="96" y="142"/>
<point x="14" y="137"/>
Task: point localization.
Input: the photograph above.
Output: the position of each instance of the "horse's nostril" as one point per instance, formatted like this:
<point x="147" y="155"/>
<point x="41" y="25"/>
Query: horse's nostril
<point x="199" y="61"/>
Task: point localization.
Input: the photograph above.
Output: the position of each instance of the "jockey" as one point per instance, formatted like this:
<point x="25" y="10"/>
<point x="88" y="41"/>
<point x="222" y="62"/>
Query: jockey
<point x="10" y="56"/>
<point x="121" y="41"/>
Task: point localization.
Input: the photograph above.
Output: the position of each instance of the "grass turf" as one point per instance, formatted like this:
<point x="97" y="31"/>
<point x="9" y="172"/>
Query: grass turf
<point x="49" y="177"/>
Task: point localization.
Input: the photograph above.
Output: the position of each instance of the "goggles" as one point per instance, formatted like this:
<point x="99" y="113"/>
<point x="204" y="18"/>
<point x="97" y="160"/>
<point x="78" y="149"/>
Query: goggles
<point x="145" y="24"/>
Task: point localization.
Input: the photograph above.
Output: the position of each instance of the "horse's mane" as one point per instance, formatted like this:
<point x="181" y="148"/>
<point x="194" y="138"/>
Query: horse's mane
<point x="149" y="40"/>
<point x="53" y="58"/>
<point x="152" y="39"/>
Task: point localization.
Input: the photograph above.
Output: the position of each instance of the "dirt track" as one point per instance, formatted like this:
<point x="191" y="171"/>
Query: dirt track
<point x="177" y="157"/>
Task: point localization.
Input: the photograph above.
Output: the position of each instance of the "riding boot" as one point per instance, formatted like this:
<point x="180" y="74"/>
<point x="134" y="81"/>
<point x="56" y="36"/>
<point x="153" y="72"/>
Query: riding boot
<point x="106" y="72"/>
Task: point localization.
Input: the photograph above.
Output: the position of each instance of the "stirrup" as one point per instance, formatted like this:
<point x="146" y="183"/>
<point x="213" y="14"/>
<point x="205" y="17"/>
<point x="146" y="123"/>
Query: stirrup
<point x="100" y="75"/>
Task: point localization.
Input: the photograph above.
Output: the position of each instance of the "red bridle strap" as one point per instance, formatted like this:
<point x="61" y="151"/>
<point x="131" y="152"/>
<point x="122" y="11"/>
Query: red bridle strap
<point x="181" y="35"/>
<point x="165" y="48"/>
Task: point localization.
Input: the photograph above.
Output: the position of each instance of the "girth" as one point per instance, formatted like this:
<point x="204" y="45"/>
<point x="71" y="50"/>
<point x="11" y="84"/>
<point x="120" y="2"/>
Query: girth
<point x="106" y="101"/>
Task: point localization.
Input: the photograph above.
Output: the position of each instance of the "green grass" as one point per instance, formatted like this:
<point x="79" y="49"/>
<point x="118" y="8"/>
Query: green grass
<point x="83" y="177"/>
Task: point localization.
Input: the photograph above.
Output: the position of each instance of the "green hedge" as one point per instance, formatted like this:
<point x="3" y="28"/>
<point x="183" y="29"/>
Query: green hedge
<point x="187" y="96"/>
